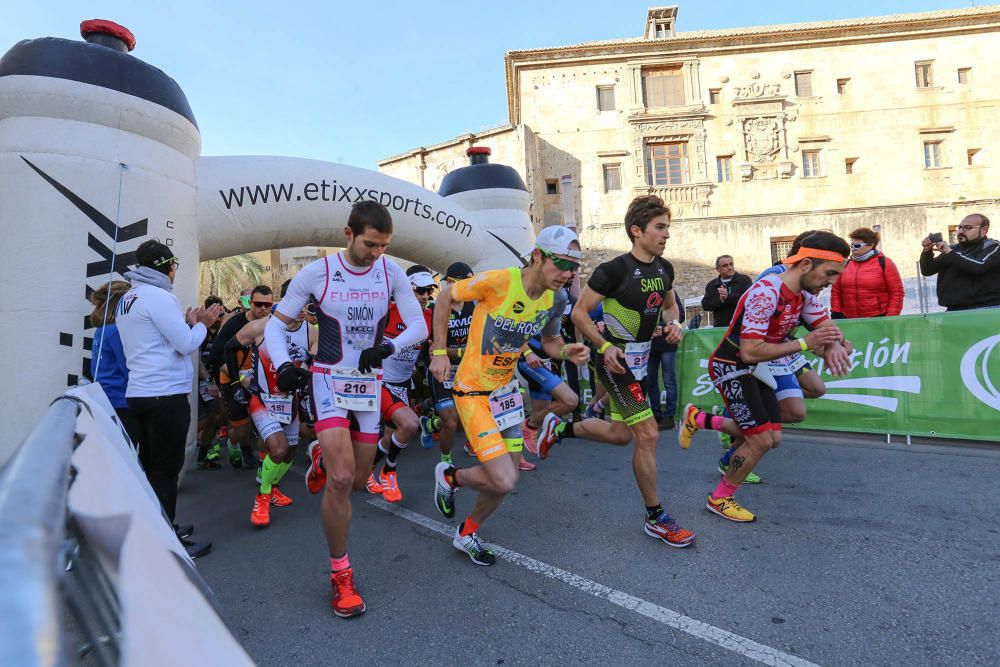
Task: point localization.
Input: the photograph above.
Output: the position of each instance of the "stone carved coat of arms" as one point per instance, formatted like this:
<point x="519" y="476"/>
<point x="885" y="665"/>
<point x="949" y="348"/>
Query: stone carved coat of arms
<point x="762" y="138"/>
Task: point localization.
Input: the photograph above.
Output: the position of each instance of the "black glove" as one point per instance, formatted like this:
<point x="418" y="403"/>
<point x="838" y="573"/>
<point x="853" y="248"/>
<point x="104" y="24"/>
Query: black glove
<point x="240" y="393"/>
<point x="290" y="377"/>
<point x="373" y="356"/>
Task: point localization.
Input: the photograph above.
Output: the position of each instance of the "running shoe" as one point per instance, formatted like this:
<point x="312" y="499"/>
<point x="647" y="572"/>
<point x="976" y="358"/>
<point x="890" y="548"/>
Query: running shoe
<point x="373" y="486"/>
<point x="261" y="514"/>
<point x="688" y="426"/>
<point x="390" y="486"/>
<point x="278" y="499"/>
<point x="547" y="435"/>
<point x="668" y="531"/>
<point x="235" y="456"/>
<point x="525" y="465"/>
<point x="444" y="493"/>
<point x="346" y="601"/>
<point x="426" y="434"/>
<point x="752" y="477"/>
<point x="474" y="549"/>
<point x="469" y="451"/>
<point x="591" y="413"/>
<point x="530" y="437"/>
<point x="728" y="508"/>
<point x="666" y="424"/>
<point x="316" y="475"/>
<point x="214" y="452"/>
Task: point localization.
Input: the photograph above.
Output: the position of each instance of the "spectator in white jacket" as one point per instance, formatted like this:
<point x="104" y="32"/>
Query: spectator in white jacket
<point x="159" y="339"/>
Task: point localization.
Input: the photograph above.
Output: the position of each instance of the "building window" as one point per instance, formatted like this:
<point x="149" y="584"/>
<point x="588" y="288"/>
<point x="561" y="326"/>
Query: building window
<point x="842" y="86"/>
<point x="551" y="186"/>
<point x="663" y="87"/>
<point x="713" y="95"/>
<point x="612" y="177"/>
<point x="811" y="164"/>
<point x="804" y="84"/>
<point x="963" y="74"/>
<point x="605" y="98"/>
<point x="724" y="168"/>
<point x="924" y="72"/>
<point x="972" y="155"/>
<point x="780" y="247"/>
<point x="932" y="154"/>
<point x="667" y="164"/>
<point x="849" y="165"/>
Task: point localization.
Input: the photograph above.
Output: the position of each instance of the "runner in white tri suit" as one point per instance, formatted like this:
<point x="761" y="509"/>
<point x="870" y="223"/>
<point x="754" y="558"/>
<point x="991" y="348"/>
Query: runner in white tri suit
<point x="352" y="290"/>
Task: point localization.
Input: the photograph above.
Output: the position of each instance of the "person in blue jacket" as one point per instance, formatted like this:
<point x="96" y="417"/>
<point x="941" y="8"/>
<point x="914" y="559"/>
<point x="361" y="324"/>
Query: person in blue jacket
<point x="107" y="360"/>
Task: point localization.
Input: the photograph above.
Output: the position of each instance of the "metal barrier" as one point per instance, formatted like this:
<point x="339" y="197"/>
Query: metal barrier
<point x="33" y="490"/>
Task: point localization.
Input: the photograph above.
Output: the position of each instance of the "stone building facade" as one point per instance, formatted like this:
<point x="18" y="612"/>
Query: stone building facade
<point x="755" y="134"/>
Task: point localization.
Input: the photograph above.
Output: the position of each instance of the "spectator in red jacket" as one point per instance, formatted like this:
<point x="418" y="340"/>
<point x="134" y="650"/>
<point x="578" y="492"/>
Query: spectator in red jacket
<point x="870" y="285"/>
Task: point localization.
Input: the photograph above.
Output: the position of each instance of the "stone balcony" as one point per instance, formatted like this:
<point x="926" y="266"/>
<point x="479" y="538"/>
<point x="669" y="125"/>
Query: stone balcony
<point x="690" y="200"/>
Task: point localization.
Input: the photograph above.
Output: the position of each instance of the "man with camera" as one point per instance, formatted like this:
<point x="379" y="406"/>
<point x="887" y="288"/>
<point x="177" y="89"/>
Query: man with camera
<point x="968" y="271"/>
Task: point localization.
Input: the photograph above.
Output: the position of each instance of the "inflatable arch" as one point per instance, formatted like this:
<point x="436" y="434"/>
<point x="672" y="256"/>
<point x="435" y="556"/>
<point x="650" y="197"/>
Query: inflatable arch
<point x="100" y="151"/>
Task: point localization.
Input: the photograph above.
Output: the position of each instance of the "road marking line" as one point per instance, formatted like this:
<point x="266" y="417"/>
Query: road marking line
<point x="727" y="640"/>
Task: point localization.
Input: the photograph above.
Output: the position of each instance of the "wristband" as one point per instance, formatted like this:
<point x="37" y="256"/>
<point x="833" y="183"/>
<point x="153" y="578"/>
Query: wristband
<point x="526" y="352"/>
<point x="562" y="352"/>
<point x="439" y="353"/>
<point x="604" y="348"/>
<point x="803" y="344"/>
<point x="461" y="351"/>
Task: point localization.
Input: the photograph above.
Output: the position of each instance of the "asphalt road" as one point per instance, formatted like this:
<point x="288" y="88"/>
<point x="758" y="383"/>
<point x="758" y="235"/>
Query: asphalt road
<point x="862" y="554"/>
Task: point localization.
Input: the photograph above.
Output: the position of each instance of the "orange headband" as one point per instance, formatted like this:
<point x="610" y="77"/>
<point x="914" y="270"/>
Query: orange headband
<point x="814" y="253"/>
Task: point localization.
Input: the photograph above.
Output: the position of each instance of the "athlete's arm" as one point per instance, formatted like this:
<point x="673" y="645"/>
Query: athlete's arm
<point x="669" y="313"/>
<point x="288" y="309"/>
<point x="589" y="299"/>
<point x="440" y="364"/>
<point x="557" y="348"/>
<point x="837" y="353"/>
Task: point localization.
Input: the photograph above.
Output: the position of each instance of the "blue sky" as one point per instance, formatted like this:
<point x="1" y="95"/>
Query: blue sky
<point x="357" y="82"/>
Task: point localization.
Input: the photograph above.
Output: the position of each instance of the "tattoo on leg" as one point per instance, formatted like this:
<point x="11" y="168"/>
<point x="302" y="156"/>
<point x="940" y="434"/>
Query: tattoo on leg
<point x="737" y="463"/>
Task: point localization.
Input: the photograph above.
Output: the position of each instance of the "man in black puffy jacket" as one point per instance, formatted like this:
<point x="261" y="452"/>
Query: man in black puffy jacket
<point x="969" y="271"/>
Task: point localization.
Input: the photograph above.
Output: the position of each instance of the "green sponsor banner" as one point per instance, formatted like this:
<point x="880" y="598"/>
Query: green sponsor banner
<point x="935" y="375"/>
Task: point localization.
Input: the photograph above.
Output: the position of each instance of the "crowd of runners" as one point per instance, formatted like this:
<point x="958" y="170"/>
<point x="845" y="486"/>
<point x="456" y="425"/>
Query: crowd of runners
<point x="358" y="358"/>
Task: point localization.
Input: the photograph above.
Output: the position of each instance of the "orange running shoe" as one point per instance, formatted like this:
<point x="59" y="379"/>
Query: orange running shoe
<point x="530" y="437"/>
<point x="260" y="517"/>
<point x="390" y="486"/>
<point x="526" y="465"/>
<point x="346" y="602"/>
<point x="373" y="485"/>
<point x="316" y="475"/>
<point x="278" y="499"/>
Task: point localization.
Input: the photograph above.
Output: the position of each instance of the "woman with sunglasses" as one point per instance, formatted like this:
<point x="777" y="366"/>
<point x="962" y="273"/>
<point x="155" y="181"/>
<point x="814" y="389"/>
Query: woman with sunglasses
<point x="870" y="285"/>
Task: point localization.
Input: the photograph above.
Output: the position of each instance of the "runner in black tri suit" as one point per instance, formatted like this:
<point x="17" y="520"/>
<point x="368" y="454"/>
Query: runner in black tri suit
<point x="636" y="291"/>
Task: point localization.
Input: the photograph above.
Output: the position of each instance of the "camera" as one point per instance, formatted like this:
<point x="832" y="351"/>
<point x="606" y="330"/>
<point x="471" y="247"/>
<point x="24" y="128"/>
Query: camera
<point x="935" y="237"/>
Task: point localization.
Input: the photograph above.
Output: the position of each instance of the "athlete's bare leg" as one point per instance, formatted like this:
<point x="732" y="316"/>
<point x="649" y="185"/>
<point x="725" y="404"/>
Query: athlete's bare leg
<point x="493" y="479"/>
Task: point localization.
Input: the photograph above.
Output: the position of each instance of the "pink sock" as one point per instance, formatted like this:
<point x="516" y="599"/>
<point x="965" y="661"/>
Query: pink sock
<point x="724" y="489"/>
<point x="341" y="563"/>
<point x="704" y="420"/>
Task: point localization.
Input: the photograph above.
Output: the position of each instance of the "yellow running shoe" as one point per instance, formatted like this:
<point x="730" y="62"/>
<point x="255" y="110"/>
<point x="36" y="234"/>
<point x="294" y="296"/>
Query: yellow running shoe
<point x="728" y="508"/>
<point x="688" y="426"/>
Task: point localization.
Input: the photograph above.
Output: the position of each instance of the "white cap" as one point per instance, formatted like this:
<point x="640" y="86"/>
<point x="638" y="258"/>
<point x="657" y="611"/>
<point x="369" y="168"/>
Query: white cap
<point x="557" y="240"/>
<point x="422" y="279"/>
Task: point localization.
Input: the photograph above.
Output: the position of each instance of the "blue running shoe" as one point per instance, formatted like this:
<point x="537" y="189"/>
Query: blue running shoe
<point x="426" y="435"/>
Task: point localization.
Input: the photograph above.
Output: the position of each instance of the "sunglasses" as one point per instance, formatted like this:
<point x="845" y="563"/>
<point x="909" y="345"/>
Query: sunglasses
<point x="311" y="308"/>
<point x="561" y="264"/>
<point x="858" y="246"/>
<point x="262" y="304"/>
<point x="423" y="290"/>
<point x="173" y="261"/>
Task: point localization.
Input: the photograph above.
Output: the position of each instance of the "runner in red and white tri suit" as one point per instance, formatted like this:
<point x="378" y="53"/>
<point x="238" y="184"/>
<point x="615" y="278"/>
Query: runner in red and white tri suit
<point x="765" y="315"/>
<point x="352" y="289"/>
<point x="399" y="421"/>
<point x="276" y="414"/>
